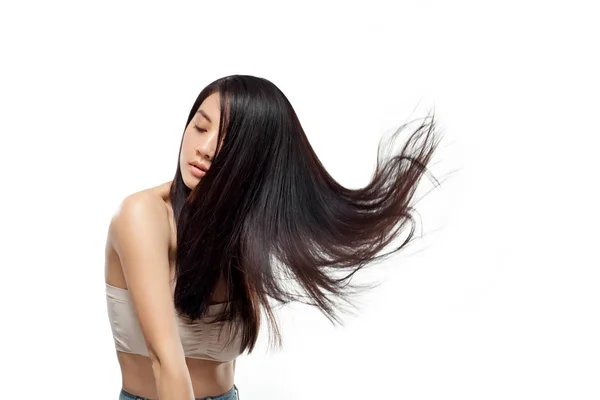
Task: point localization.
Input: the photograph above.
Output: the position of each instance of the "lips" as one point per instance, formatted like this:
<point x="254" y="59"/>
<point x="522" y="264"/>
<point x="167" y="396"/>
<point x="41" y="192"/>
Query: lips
<point x="199" y="166"/>
<point x="197" y="172"/>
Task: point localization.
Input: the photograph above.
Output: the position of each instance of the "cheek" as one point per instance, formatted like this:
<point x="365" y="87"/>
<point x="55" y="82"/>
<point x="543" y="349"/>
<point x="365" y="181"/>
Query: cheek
<point x="186" y="144"/>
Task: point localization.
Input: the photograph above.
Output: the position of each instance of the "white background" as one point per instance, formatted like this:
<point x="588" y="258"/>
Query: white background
<point x="498" y="300"/>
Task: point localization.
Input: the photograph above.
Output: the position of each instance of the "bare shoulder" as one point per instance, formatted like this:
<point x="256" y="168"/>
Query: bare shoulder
<point x="145" y="209"/>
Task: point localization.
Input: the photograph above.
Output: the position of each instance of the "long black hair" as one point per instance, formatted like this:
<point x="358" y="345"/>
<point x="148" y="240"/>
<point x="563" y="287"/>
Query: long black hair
<point x="267" y="214"/>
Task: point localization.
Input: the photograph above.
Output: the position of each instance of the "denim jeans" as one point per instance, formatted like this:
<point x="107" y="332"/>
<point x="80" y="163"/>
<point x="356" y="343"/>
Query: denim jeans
<point x="232" y="394"/>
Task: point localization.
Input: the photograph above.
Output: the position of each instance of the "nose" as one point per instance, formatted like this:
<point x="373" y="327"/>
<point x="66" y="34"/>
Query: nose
<point x="206" y="149"/>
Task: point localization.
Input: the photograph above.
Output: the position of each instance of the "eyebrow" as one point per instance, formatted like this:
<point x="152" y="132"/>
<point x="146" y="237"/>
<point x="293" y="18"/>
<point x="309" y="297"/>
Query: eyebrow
<point x="204" y="115"/>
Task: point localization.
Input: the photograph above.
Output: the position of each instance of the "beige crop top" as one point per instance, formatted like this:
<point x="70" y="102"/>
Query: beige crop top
<point x="199" y="339"/>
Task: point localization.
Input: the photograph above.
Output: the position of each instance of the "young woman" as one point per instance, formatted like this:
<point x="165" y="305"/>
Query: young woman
<point x="192" y="263"/>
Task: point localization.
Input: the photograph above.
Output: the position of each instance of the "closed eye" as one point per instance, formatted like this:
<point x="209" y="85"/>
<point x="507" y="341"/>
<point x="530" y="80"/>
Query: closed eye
<point x="200" y="129"/>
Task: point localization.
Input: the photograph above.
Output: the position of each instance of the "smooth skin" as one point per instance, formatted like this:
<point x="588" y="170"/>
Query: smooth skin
<point x="140" y="256"/>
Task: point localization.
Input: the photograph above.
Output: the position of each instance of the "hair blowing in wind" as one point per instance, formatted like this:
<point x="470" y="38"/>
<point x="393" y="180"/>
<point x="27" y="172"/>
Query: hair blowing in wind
<point x="269" y="219"/>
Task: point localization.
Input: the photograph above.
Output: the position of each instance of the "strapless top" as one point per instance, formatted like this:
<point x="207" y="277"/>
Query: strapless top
<point x="199" y="339"/>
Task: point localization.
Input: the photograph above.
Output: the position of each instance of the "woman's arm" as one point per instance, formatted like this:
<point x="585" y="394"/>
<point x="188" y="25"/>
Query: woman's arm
<point x="139" y="232"/>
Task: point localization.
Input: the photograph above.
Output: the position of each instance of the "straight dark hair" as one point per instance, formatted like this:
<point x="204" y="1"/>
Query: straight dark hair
<point x="268" y="215"/>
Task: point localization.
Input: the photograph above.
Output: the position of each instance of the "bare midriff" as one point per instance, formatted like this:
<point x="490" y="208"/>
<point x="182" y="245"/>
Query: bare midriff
<point x="209" y="378"/>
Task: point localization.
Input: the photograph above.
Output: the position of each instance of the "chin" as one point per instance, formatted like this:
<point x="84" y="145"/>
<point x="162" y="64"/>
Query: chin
<point x="189" y="183"/>
<point x="189" y="180"/>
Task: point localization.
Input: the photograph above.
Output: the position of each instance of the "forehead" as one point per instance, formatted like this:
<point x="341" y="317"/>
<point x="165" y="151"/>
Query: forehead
<point x="211" y="108"/>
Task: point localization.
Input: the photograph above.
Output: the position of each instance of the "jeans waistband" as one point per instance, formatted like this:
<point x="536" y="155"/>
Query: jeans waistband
<point x="231" y="394"/>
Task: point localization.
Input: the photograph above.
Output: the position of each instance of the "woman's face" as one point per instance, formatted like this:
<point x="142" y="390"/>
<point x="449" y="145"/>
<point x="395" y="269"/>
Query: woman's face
<point x="200" y="141"/>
